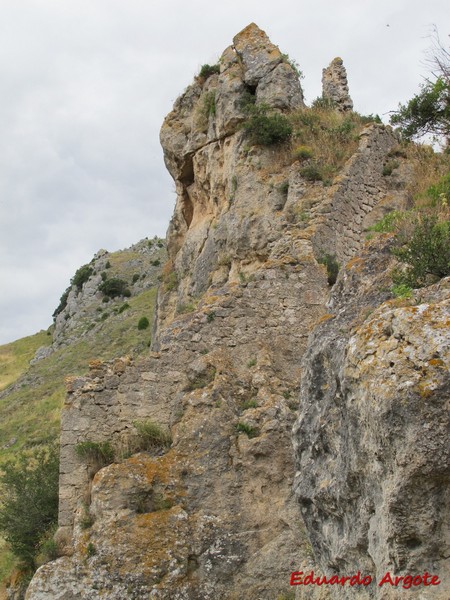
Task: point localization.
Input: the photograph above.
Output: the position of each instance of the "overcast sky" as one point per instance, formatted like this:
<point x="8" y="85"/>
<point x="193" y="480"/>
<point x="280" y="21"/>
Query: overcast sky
<point x="85" y="85"/>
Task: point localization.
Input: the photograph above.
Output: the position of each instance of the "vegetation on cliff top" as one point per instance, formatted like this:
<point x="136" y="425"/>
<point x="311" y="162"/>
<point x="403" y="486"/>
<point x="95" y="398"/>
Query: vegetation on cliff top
<point x="428" y="112"/>
<point x="422" y="233"/>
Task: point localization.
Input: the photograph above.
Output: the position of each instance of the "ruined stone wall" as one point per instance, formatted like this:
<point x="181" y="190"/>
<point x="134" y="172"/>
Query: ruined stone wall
<point x="102" y="408"/>
<point x="344" y="216"/>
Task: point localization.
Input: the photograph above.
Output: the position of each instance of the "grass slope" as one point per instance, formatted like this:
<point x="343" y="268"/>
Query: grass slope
<point x="30" y="410"/>
<point x="15" y="357"/>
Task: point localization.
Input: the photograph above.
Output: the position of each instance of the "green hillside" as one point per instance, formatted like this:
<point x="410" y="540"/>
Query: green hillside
<point x="31" y="396"/>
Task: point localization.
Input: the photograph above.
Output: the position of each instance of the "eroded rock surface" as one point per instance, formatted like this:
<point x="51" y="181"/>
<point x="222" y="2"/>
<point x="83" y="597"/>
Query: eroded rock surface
<point x="335" y="85"/>
<point x="372" y="438"/>
<point x="214" y="516"/>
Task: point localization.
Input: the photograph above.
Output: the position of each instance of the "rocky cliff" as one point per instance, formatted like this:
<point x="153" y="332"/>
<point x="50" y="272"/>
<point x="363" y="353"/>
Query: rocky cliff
<point x="212" y="514"/>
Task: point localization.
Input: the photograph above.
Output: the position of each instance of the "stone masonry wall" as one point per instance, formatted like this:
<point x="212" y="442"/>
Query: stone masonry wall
<point x="344" y="216"/>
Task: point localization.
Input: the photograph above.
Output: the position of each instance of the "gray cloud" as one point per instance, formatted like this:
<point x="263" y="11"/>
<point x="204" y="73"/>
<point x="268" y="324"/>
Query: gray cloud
<point x="84" y="87"/>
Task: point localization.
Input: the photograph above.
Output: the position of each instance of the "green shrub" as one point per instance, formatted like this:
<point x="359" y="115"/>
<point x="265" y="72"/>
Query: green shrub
<point x="284" y="187"/>
<point x="100" y="453"/>
<point x="302" y="153"/>
<point x="365" y="119"/>
<point x="135" y="277"/>
<point x="152" y="436"/>
<point x="210" y="316"/>
<point x="107" y="265"/>
<point x="114" y="287"/>
<point x="90" y="550"/>
<point x="249" y="404"/>
<point x="143" y="323"/>
<point x="209" y="104"/>
<point x="425" y="249"/>
<point x="251" y="362"/>
<point x="161" y="502"/>
<point x="155" y="263"/>
<point x="208" y="70"/>
<point x="402" y="291"/>
<point x="266" y="128"/>
<point x="48" y="548"/>
<point x="294" y="64"/>
<point x="124" y="307"/>
<point x="311" y="173"/>
<point x="188" y="307"/>
<point x="330" y="262"/>
<point x="250" y="431"/>
<point x="171" y="281"/>
<point x="62" y="303"/>
<point x="29" y="507"/>
<point x="389" y="167"/>
<point x="388" y="223"/>
<point x="87" y="520"/>
<point x="81" y="276"/>
<point x="440" y="192"/>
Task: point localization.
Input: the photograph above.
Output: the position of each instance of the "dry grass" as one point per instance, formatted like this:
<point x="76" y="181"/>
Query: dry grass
<point x="329" y="136"/>
<point x="429" y="167"/>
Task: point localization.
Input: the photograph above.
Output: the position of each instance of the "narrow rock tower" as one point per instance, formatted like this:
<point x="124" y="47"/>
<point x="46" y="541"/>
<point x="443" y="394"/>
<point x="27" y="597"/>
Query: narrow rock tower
<point x="335" y="85"/>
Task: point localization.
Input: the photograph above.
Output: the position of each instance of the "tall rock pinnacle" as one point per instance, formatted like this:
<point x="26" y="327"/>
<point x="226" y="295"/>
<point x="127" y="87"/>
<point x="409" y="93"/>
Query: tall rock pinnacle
<point x="335" y="85"/>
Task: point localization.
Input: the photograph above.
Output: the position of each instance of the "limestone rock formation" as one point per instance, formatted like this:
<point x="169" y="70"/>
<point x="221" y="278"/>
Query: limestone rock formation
<point x="335" y="85"/>
<point x="372" y="437"/>
<point x="214" y="516"/>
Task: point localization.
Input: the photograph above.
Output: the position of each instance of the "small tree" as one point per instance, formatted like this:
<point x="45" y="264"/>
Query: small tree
<point x="81" y="276"/>
<point x="425" y="250"/>
<point x="114" y="287"/>
<point x="143" y="323"/>
<point x="429" y="111"/>
<point x="29" y="506"/>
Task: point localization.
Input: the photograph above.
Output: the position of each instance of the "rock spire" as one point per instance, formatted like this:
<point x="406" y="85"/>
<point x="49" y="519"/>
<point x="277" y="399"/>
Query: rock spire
<point x="335" y="85"/>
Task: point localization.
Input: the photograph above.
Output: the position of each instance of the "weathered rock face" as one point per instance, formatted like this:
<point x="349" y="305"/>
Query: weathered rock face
<point x="214" y="516"/>
<point x="372" y="438"/>
<point x="335" y="85"/>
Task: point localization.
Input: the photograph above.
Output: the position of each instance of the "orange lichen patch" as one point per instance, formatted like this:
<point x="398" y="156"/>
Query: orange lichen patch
<point x="96" y="363"/>
<point x="356" y="264"/>
<point x="69" y="382"/>
<point x="399" y="302"/>
<point x="437" y="362"/>
<point x="325" y="317"/>
<point x="210" y="299"/>
<point x="155" y="469"/>
<point x="153" y="539"/>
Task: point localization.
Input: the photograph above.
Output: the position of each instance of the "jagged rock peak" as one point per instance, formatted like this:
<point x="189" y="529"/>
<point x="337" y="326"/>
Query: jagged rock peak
<point x="211" y="108"/>
<point x="335" y="85"/>
<point x="257" y="53"/>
